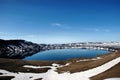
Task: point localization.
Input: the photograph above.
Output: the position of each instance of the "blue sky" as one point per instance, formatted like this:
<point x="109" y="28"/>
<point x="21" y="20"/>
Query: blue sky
<point x="60" y="21"/>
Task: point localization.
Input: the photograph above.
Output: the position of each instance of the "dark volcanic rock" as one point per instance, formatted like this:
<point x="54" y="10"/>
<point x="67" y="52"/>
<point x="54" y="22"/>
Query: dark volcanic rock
<point x="17" y="48"/>
<point x="6" y="77"/>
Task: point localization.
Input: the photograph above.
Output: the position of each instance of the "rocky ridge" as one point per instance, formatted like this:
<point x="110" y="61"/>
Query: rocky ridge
<point x="17" y="48"/>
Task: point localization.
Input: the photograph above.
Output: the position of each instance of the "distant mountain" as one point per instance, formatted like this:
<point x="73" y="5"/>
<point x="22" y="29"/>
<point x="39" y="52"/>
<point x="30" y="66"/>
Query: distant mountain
<point x="17" y="48"/>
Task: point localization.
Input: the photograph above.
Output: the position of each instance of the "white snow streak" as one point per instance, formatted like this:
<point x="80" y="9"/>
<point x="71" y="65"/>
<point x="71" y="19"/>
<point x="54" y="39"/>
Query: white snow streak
<point x="89" y="59"/>
<point x="29" y="66"/>
<point x="112" y="79"/>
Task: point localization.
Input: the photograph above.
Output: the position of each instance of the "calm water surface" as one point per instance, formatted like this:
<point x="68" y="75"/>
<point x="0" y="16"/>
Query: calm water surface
<point x="64" y="54"/>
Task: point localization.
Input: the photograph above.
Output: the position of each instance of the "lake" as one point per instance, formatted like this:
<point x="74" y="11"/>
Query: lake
<point x="64" y="54"/>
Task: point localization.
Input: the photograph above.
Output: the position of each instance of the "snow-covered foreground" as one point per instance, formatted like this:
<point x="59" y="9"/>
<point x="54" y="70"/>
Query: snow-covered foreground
<point x="52" y="75"/>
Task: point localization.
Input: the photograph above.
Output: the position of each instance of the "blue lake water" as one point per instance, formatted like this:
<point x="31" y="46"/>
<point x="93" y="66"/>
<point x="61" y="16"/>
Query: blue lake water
<point x="64" y="54"/>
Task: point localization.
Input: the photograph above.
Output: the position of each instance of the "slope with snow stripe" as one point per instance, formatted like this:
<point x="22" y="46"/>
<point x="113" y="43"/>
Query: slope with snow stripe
<point x="52" y="75"/>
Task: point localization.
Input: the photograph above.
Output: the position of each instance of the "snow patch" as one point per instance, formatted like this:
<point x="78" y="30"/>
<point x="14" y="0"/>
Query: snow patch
<point x="67" y="64"/>
<point x="112" y="79"/>
<point x="89" y="59"/>
<point x="30" y="66"/>
<point x="55" y="65"/>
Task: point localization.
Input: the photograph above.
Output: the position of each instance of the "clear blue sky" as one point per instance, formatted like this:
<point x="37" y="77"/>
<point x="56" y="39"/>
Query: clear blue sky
<point x="60" y="21"/>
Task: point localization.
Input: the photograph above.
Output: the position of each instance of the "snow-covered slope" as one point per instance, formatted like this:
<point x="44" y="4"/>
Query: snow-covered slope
<point x="52" y="75"/>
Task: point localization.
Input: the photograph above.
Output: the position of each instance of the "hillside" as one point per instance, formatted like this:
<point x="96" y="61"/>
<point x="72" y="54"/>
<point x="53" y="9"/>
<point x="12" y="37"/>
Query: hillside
<point x="17" y="48"/>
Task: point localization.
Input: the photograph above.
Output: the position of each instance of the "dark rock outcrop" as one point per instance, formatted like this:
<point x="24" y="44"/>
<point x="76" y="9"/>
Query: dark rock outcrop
<point x="17" y="48"/>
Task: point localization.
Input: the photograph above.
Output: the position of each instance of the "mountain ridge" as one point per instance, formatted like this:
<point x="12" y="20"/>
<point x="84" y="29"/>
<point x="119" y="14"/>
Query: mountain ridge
<point x="17" y="48"/>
